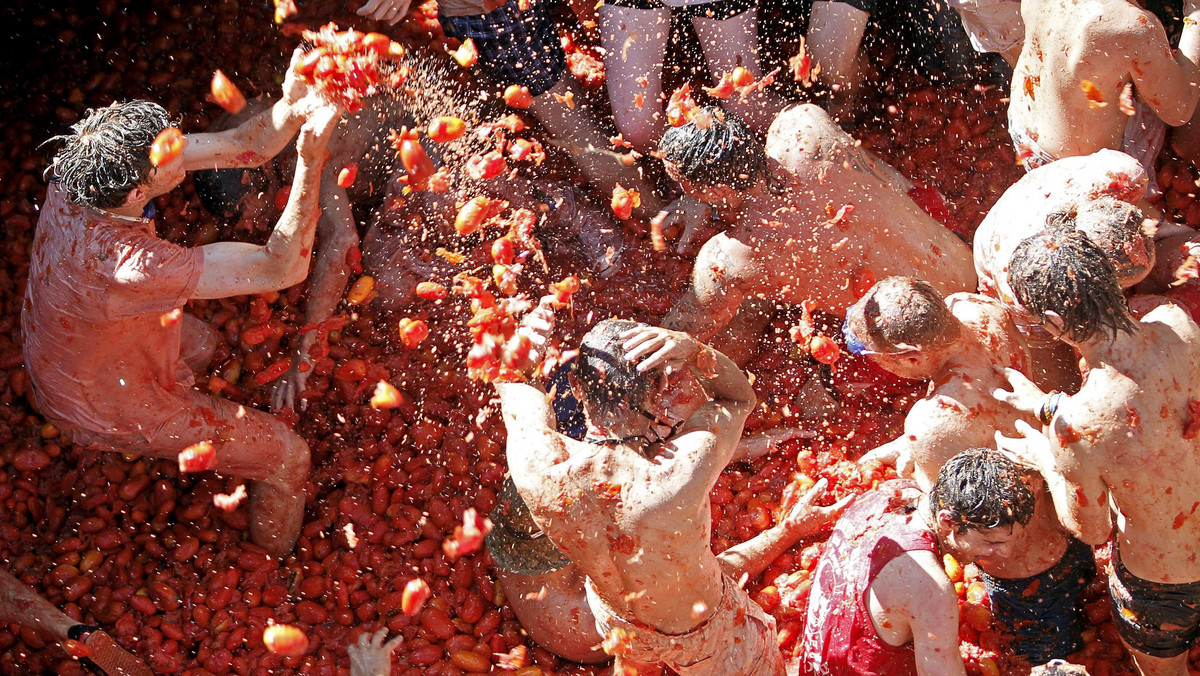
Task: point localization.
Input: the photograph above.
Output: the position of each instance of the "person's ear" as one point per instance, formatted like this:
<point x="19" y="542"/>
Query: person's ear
<point x="945" y="521"/>
<point x="136" y="196"/>
<point x="1055" y="322"/>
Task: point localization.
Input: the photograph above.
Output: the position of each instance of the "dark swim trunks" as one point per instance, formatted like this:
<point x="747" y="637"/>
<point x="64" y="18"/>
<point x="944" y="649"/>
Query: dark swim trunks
<point x="1156" y="618"/>
<point x="1043" y="611"/>
<point x="515" y="47"/>
<point x="515" y="542"/>
<point x="719" y="10"/>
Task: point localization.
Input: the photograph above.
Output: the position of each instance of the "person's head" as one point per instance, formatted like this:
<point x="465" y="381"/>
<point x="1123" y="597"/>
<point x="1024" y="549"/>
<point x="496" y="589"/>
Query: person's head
<point x="105" y="161"/>
<point x="902" y="325"/>
<point x="1059" y="668"/>
<point x="714" y="157"/>
<point x="1118" y="228"/>
<point x="607" y="384"/>
<point x="981" y="502"/>
<point x="242" y="196"/>
<point x="1060" y="276"/>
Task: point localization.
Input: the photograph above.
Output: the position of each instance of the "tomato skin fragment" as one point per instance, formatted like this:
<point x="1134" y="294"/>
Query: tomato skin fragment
<point x="226" y="94"/>
<point x="347" y="175"/>
<point x="199" y="457"/>
<point x="445" y="129"/>
<point x="414" y="596"/>
<point x="286" y="640"/>
<point x="517" y="96"/>
<point x="167" y="146"/>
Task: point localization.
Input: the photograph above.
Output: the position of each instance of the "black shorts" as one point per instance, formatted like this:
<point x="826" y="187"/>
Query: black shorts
<point x="1156" y="618"/>
<point x="719" y="10"/>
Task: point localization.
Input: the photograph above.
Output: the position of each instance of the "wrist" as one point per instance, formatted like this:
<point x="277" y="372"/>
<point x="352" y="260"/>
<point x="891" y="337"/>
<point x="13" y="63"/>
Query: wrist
<point x="1049" y="407"/>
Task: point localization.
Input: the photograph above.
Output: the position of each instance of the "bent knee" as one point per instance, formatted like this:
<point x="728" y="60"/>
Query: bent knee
<point x="295" y="460"/>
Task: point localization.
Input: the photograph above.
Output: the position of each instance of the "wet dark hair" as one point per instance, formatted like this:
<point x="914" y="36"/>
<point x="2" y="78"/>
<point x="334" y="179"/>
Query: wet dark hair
<point x="221" y="190"/>
<point x="609" y="381"/>
<point x="982" y="488"/>
<point x="725" y="152"/>
<point x="905" y="312"/>
<point x="1061" y="270"/>
<point x="108" y="152"/>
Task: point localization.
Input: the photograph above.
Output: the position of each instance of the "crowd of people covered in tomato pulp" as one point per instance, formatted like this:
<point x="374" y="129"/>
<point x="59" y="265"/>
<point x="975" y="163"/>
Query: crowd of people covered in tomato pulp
<point x="638" y="337"/>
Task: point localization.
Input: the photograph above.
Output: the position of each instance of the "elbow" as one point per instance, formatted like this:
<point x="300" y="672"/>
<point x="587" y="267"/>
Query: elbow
<point x="1183" y="114"/>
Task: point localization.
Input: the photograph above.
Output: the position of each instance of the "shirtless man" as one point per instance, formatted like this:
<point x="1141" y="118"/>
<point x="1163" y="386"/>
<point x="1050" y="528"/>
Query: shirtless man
<point x="905" y="327"/>
<point x="630" y="505"/>
<point x="1098" y="194"/>
<point x="109" y="351"/>
<point x="881" y="601"/>
<point x="1124" y="449"/>
<point x="810" y="217"/>
<point x="1072" y="88"/>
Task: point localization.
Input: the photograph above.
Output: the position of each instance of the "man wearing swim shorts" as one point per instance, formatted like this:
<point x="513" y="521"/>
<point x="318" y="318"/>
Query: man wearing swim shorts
<point x="958" y="344"/>
<point x="1125" y="450"/>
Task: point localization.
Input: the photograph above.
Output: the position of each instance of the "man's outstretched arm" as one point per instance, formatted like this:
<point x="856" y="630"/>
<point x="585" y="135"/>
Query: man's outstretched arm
<point x="260" y="138"/>
<point x="751" y="557"/>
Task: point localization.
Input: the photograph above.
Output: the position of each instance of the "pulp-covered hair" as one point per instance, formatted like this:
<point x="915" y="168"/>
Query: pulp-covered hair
<point x="1117" y="228"/>
<point x="221" y="190"/>
<point x="107" y="153"/>
<point x="982" y="488"/>
<point x="721" y="150"/>
<point x="1061" y="270"/>
<point x="903" y="312"/>
<point x="609" y="380"/>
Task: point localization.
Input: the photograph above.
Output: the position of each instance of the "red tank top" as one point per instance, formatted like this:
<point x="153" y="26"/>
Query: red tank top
<point x="839" y="638"/>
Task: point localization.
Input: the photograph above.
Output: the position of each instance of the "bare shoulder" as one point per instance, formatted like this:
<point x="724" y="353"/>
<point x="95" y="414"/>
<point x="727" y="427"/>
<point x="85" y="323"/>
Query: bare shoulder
<point x="1125" y="21"/>
<point x="913" y="580"/>
<point x="803" y="132"/>
<point x="1167" y="312"/>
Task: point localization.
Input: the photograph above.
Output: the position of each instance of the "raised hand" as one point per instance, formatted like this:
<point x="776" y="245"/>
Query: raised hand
<point x="664" y="347"/>
<point x="1024" y="396"/>
<point x="807" y="518"/>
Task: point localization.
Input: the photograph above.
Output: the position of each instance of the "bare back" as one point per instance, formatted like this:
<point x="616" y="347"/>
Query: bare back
<point x="1107" y="43"/>
<point x="836" y="214"/>
<point x="642" y="542"/>
<point x="1127" y="426"/>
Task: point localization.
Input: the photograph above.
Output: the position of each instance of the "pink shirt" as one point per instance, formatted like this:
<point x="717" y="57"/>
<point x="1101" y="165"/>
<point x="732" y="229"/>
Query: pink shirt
<point x="100" y="345"/>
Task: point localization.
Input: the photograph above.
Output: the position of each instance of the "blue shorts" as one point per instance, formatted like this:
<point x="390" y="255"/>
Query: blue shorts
<point x="1043" y="612"/>
<point x="515" y="47"/>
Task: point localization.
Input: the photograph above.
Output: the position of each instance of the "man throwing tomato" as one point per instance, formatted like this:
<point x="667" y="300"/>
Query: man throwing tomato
<point x="109" y="351"/>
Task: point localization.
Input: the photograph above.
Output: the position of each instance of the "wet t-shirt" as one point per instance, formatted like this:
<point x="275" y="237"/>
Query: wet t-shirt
<point x="101" y="342"/>
<point x="839" y="636"/>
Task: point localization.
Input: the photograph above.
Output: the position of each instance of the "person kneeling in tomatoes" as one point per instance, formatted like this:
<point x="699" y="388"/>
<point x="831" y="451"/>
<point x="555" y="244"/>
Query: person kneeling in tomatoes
<point x="110" y="353"/>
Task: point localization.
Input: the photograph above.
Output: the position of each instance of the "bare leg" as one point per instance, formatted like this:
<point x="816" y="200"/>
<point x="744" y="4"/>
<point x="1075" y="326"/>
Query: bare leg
<point x="554" y="611"/>
<point x="731" y="43"/>
<point x="1158" y="666"/>
<point x="21" y="605"/>
<point x="589" y="145"/>
<point x="250" y="444"/>
<point x="634" y="41"/>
